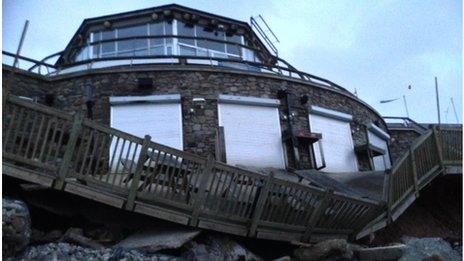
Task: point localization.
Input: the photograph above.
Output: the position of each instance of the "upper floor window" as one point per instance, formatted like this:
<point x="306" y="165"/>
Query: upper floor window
<point x="205" y="47"/>
<point x="202" y="43"/>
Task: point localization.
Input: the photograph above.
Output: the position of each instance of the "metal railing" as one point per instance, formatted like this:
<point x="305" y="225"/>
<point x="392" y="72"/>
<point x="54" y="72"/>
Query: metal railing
<point x="77" y="150"/>
<point x="273" y="65"/>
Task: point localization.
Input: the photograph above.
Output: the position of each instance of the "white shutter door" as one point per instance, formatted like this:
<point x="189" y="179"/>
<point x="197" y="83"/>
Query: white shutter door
<point x="163" y="122"/>
<point x="252" y="135"/>
<point x="381" y="162"/>
<point x="337" y="143"/>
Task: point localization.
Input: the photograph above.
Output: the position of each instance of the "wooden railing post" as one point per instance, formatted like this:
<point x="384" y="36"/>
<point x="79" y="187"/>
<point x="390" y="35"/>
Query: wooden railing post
<point x="317" y="213"/>
<point x="389" y="192"/>
<point x="138" y="172"/>
<point x="260" y="204"/>
<point x="412" y="160"/>
<point x="68" y="154"/>
<point x="199" y="198"/>
<point x="438" y="146"/>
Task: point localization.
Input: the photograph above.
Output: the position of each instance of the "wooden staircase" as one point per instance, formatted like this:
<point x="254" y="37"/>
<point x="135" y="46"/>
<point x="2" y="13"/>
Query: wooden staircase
<point x="49" y="147"/>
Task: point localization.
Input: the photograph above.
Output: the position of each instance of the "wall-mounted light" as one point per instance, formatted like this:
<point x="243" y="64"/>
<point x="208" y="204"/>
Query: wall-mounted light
<point x="231" y="30"/>
<point x="199" y="103"/>
<point x="89" y="97"/>
<point x="49" y="99"/>
<point x="281" y="93"/>
<point x="107" y="24"/>
<point x="154" y="16"/>
<point x="168" y="15"/>
<point x="304" y="99"/>
<point x="144" y="83"/>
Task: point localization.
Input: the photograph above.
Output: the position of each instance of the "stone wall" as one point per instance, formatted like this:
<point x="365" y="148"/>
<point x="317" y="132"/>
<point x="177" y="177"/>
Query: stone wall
<point x="200" y="128"/>
<point x="400" y="142"/>
<point x="26" y="84"/>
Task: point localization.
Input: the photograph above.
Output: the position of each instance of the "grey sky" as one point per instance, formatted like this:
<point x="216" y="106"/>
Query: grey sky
<point x="377" y="47"/>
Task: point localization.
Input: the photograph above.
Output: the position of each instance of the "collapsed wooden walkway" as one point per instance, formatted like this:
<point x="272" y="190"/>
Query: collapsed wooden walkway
<point x="49" y="147"/>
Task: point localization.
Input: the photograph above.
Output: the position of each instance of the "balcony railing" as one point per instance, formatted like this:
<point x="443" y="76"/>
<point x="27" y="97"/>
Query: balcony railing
<point x="272" y="65"/>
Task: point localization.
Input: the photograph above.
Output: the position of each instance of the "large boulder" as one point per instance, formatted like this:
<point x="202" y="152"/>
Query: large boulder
<point x="218" y="247"/>
<point x="16" y="226"/>
<point x="333" y="249"/>
<point x="159" y="238"/>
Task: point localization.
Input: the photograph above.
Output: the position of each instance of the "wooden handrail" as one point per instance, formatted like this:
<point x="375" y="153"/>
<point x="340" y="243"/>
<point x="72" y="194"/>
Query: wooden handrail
<point x="203" y="189"/>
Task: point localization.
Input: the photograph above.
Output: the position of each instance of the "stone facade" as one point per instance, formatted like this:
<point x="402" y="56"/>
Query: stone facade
<point x="400" y="142"/>
<point x="205" y="82"/>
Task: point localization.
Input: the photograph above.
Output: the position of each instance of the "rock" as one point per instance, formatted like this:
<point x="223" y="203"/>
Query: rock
<point x="393" y="252"/>
<point x="76" y="236"/>
<point x="65" y="251"/>
<point x="218" y="247"/>
<point x="16" y="227"/>
<point x="428" y="248"/>
<point x="157" y="239"/>
<point x="52" y="236"/>
<point x="329" y="249"/>
<point x="284" y="258"/>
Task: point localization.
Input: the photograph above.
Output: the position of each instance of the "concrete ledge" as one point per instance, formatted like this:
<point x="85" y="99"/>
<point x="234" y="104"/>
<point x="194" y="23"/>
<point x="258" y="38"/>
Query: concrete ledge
<point x="123" y="100"/>
<point x="242" y="100"/>
<point x="316" y="110"/>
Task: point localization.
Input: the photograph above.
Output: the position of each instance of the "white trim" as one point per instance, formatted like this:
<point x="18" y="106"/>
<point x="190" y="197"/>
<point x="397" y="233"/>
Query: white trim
<point x="232" y="99"/>
<point x="167" y="98"/>
<point x="378" y="131"/>
<point x="330" y="113"/>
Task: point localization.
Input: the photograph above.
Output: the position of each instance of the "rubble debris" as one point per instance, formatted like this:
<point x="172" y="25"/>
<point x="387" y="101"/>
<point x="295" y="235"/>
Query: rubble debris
<point x="432" y="248"/>
<point x="158" y="239"/>
<point x="40" y="237"/>
<point x="76" y="236"/>
<point x="334" y="248"/>
<point x="16" y="226"/>
<point x="65" y="251"/>
<point x="218" y="247"/>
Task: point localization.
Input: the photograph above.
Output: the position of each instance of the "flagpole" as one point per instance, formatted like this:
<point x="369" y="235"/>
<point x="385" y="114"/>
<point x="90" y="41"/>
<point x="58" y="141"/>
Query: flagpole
<point x="438" y="101"/>
<point x="405" y="105"/>
<point x="454" y="109"/>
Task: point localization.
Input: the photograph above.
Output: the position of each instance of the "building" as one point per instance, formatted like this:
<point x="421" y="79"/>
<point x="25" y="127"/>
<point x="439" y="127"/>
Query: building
<point x="208" y="84"/>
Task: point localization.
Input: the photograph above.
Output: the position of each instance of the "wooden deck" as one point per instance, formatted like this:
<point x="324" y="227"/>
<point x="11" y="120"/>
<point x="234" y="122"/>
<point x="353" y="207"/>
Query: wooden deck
<point x="46" y="146"/>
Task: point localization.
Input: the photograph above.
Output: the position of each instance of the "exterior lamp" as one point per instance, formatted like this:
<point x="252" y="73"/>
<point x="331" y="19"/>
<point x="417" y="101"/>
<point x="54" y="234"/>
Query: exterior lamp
<point x="304" y="99"/>
<point x="199" y="103"/>
<point x="231" y="30"/>
<point x="107" y="24"/>
<point x="89" y="96"/>
<point x="168" y="15"/>
<point x="154" y="16"/>
<point x="187" y="16"/>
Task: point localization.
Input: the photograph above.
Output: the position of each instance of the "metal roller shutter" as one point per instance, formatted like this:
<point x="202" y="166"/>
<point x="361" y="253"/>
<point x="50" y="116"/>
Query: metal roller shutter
<point x="159" y="116"/>
<point x="337" y="142"/>
<point x="252" y="133"/>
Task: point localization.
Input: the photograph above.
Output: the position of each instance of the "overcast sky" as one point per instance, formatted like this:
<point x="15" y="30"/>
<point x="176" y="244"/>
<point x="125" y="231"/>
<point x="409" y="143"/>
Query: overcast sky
<point x="377" y="47"/>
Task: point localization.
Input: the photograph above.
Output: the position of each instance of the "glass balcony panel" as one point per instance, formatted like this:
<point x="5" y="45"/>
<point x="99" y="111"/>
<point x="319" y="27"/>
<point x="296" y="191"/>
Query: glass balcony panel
<point x="202" y="52"/>
<point x="157" y="50"/>
<point x="108" y="47"/>
<point x="132" y="45"/>
<point x="187" y="50"/>
<point x="233" y="49"/>
<point x="141" y="52"/>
